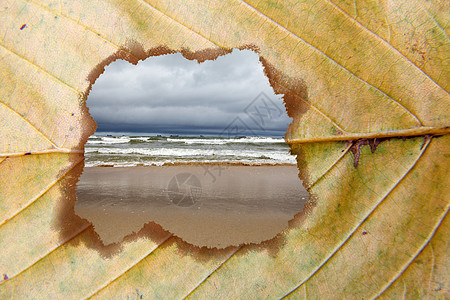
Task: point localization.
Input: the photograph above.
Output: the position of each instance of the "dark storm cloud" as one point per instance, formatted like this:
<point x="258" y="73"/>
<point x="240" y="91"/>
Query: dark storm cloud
<point x="172" y="94"/>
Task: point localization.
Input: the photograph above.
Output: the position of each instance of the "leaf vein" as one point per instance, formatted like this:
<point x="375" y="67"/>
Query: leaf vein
<point x="97" y="34"/>
<point x="388" y="44"/>
<point x="433" y="266"/>
<point x="359" y="225"/>
<point x="411" y="132"/>
<point x="28" y="122"/>
<point x="42" y="70"/>
<point x="209" y="40"/>
<point x="81" y="230"/>
<point x="131" y="267"/>
<point x="438" y="25"/>
<point x="40" y="194"/>
<point x="330" y="167"/>
<point x="181" y="24"/>
<point x="45" y="151"/>
<point x="334" y="61"/>
<point x="209" y="275"/>
<point x="428" y="240"/>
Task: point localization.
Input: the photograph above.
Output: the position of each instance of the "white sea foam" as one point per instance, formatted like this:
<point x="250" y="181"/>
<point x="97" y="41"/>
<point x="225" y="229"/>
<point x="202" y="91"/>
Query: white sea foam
<point x="200" y="155"/>
<point x="175" y="152"/>
<point x="106" y="140"/>
<point x="200" y="141"/>
<point x="130" y="163"/>
<point x="262" y="140"/>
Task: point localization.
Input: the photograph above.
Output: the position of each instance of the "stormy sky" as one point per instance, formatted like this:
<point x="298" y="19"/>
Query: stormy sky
<point x="172" y="95"/>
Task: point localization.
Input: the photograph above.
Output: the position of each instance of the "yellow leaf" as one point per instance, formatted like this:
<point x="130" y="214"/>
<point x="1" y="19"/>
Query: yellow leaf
<point x="355" y="76"/>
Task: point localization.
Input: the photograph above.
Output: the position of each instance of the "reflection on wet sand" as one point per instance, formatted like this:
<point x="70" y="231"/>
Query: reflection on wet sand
<point x="214" y="206"/>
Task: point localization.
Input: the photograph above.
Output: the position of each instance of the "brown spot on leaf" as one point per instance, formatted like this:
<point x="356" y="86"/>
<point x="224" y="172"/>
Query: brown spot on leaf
<point x="355" y="150"/>
<point x="356" y="145"/>
<point x="374" y="144"/>
<point x="23" y="26"/>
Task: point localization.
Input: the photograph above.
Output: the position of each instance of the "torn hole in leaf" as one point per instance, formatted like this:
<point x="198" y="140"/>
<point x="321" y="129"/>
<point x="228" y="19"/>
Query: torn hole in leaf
<point x="224" y="181"/>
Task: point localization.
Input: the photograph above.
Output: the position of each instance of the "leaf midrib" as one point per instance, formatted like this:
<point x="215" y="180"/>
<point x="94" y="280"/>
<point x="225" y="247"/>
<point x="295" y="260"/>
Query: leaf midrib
<point x="400" y="133"/>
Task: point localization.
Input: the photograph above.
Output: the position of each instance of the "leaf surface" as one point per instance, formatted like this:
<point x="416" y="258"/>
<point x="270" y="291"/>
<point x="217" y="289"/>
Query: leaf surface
<point x="348" y="70"/>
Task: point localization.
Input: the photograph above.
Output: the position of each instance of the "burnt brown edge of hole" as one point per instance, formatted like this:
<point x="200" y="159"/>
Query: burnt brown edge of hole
<point x="78" y="230"/>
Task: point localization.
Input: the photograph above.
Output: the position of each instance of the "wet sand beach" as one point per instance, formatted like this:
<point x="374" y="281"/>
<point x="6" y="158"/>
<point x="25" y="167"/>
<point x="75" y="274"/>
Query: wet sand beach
<point x="206" y="205"/>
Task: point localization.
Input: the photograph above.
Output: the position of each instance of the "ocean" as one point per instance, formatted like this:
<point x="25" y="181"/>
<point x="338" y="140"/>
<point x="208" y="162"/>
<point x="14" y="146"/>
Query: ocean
<point x="158" y="150"/>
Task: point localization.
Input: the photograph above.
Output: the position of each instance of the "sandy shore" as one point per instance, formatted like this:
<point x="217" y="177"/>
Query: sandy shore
<point x="206" y="205"/>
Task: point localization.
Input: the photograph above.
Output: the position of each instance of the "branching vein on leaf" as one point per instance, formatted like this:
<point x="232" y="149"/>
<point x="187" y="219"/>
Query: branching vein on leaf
<point x="334" y="61"/>
<point x="387" y="42"/>
<point x="5" y="219"/>
<point x="51" y="250"/>
<point x="43" y="71"/>
<point x="419" y="250"/>
<point x="433" y="265"/>
<point x="32" y="126"/>
<point x="209" y="275"/>
<point x="346" y="150"/>
<point x="97" y="34"/>
<point x="222" y="47"/>
<point x="361" y="222"/>
<point x="438" y="25"/>
<point x="123" y="272"/>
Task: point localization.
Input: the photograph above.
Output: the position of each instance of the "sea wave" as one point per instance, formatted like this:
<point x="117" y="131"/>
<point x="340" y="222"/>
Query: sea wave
<point x="184" y="152"/>
<point x="99" y="163"/>
<point x="158" y="150"/>
<point x="109" y="140"/>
